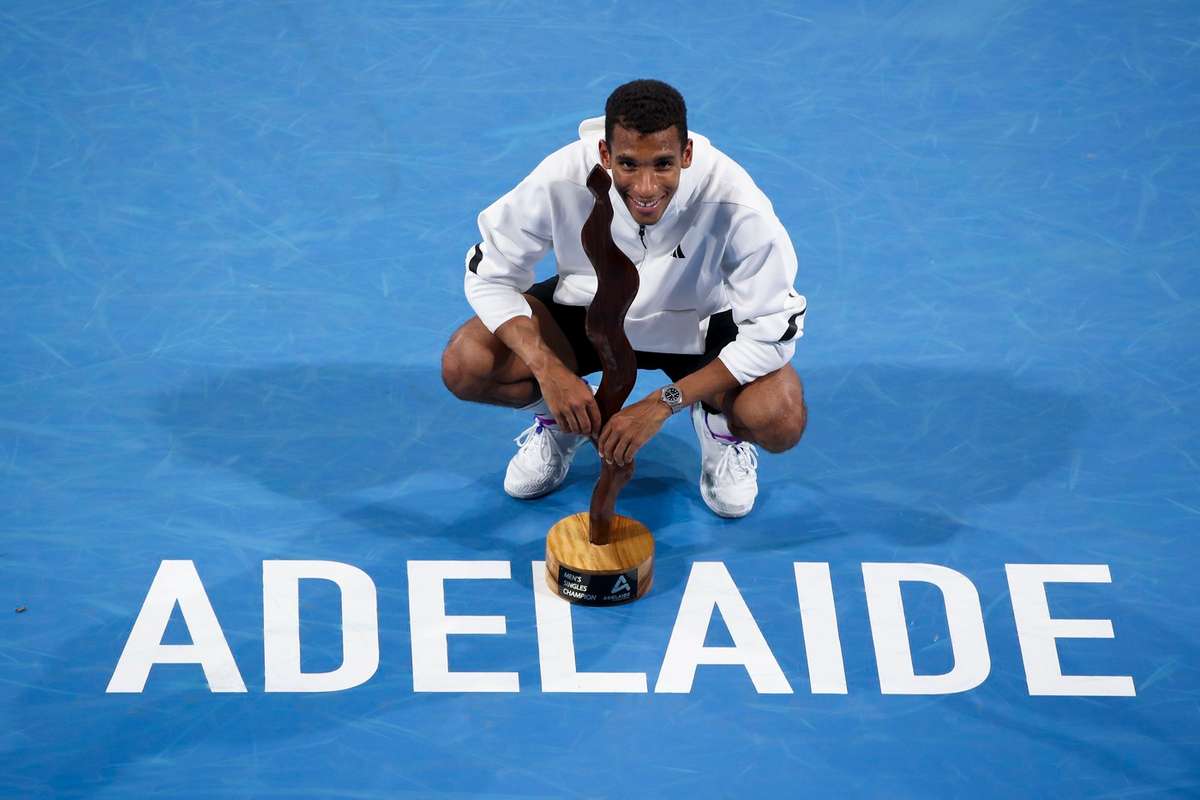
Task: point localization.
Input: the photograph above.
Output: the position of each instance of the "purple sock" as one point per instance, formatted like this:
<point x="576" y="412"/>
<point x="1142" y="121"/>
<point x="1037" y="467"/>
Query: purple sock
<point x="722" y="433"/>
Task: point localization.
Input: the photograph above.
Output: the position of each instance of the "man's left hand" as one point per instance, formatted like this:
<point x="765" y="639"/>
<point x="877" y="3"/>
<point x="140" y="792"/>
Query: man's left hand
<point x="630" y="428"/>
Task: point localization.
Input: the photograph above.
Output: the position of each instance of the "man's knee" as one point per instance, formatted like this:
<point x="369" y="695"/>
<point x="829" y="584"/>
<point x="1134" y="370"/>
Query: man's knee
<point x="454" y="376"/>
<point x="785" y="430"/>
<point x="458" y="361"/>
<point x="772" y="414"/>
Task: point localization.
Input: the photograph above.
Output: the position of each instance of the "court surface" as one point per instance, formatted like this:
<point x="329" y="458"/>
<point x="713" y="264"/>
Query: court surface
<point x="232" y="239"/>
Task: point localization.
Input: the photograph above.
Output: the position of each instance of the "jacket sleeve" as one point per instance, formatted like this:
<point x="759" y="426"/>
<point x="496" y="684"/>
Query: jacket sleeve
<point x="516" y="234"/>
<point x="760" y="269"/>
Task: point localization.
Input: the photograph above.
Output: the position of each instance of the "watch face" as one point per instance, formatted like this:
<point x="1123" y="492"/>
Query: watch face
<point x="672" y="396"/>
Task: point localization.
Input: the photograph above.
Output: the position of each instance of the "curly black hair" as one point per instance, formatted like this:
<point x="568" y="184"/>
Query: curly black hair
<point x="646" y="106"/>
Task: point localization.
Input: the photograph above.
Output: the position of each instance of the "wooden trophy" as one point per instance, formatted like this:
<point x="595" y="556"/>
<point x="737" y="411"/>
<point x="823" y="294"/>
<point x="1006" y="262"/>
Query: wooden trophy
<point x="601" y="558"/>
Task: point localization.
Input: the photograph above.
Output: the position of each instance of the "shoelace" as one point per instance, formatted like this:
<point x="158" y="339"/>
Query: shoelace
<point x="547" y="445"/>
<point x="738" y="462"/>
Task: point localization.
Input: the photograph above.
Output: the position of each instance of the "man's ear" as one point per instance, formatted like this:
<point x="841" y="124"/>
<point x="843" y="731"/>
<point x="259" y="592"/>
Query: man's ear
<point x="687" y="155"/>
<point x="605" y="156"/>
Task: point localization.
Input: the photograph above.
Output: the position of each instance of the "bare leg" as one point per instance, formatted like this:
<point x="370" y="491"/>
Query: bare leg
<point x="769" y="411"/>
<point x="478" y="367"/>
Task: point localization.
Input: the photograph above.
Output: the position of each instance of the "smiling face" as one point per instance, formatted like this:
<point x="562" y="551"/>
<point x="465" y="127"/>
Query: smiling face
<point x="646" y="168"/>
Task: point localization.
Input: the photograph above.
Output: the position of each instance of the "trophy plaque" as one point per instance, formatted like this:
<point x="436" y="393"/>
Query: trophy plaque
<point x="601" y="558"/>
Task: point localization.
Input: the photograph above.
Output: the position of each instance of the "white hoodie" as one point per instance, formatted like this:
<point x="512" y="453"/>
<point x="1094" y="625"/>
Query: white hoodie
<point x="717" y="246"/>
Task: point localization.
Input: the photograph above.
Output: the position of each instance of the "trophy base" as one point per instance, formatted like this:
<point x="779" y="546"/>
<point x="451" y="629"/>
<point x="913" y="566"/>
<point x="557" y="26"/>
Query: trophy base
<point x="599" y="575"/>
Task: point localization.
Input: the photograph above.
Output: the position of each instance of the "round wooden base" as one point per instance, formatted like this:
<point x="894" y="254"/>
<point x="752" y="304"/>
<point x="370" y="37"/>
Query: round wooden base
<point x="599" y="575"/>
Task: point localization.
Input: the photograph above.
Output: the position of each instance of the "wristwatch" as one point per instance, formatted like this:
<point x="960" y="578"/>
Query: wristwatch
<point x="671" y="397"/>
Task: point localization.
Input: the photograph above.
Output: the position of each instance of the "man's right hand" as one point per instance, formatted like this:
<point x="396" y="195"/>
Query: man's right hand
<point x="570" y="400"/>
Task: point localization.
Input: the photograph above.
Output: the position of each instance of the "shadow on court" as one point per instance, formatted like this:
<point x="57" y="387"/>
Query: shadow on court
<point x="899" y="452"/>
<point x="896" y="452"/>
<point x="314" y="431"/>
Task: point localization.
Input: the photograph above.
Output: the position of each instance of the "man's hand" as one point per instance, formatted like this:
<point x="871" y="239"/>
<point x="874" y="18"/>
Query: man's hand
<point x="630" y="428"/>
<point x="570" y="400"/>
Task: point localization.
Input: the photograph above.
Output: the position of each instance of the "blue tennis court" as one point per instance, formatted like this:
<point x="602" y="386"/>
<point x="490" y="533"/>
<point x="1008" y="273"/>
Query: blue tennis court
<point x="250" y="546"/>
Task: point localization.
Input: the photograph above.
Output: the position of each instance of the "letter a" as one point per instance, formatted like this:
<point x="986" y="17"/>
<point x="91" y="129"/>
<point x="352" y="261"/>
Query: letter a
<point x="176" y="582"/>
<point x="711" y="588"/>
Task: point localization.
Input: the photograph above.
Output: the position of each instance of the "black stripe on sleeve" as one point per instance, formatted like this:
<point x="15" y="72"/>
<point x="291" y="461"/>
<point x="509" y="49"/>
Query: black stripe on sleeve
<point x="792" y="327"/>
<point x="473" y="264"/>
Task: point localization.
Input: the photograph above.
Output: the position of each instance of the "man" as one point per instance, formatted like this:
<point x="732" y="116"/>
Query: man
<point x="715" y="309"/>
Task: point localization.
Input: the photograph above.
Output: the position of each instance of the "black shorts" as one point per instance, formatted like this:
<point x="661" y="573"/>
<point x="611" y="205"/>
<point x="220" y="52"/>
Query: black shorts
<point x="573" y="321"/>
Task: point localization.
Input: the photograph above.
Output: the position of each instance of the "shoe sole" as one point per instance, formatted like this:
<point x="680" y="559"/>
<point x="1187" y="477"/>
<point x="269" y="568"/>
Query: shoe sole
<point x="543" y="492"/>
<point x="536" y="495"/>
<point x="721" y="512"/>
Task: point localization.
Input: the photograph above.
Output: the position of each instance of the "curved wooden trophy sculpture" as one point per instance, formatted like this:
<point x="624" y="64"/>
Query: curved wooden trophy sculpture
<point x="602" y="558"/>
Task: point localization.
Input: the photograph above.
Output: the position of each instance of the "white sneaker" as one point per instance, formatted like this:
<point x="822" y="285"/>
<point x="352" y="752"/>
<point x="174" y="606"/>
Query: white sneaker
<point x="541" y="464"/>
<point x="728" y="470"/>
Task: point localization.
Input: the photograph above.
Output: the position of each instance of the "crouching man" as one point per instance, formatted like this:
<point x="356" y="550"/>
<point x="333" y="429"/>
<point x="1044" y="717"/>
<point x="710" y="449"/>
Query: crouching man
<point x="715" y="310"/>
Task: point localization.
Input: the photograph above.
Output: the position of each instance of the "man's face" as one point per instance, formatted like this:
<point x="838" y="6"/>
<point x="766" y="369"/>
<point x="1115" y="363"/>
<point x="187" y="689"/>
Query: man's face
<point x="645" y="169"/>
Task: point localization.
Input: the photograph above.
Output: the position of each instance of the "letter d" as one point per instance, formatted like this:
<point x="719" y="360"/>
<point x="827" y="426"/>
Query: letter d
<point x="281" y="626"/>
